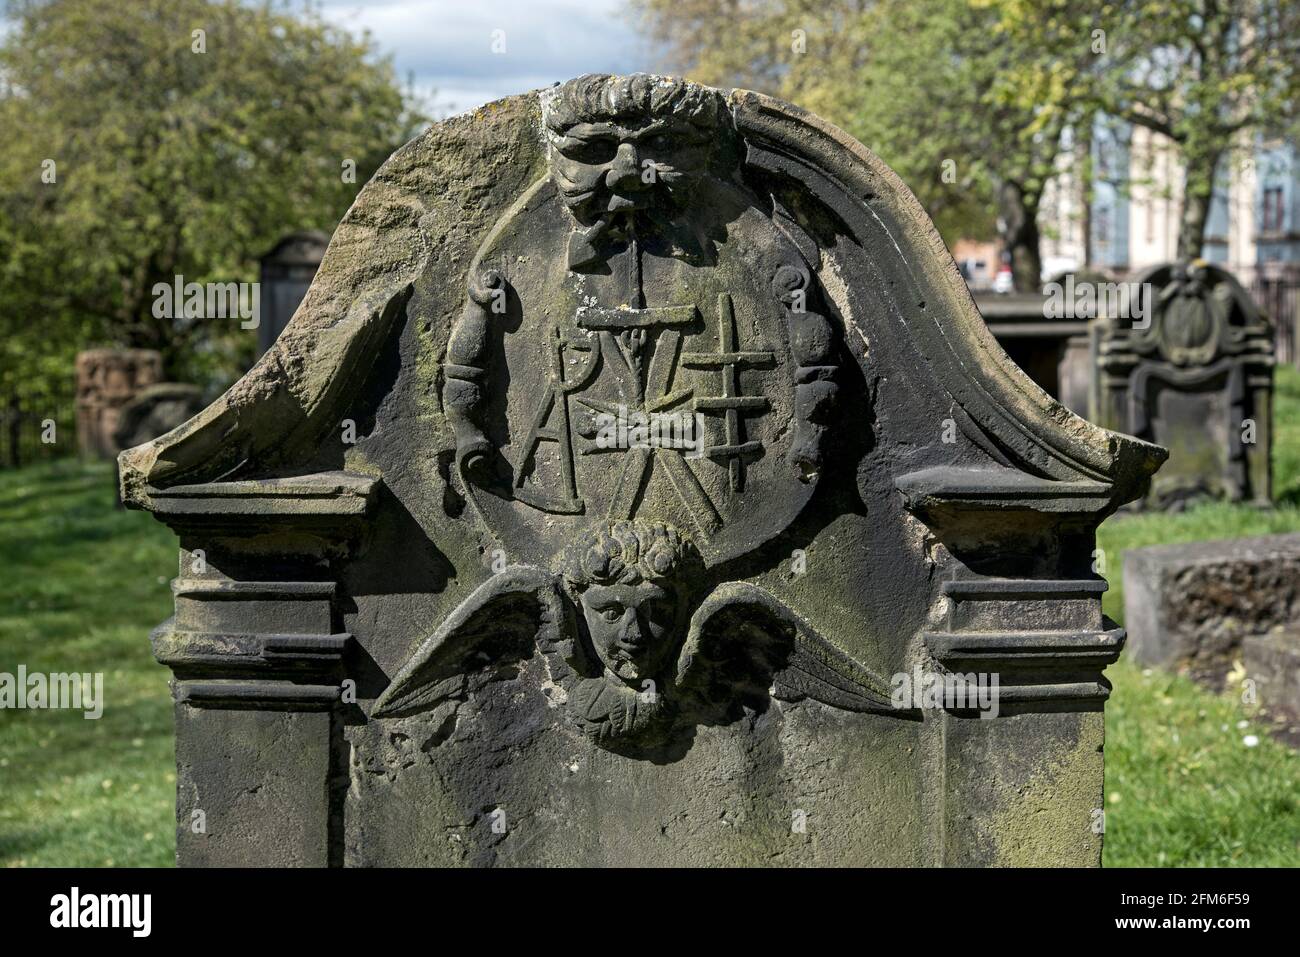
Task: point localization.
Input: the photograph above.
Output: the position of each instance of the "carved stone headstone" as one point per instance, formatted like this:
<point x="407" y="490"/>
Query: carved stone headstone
<point x="635" y="450"/>
<point x="1197" y="380"/>
<point x="285" y="273"/>
<point x="1052" y="351"/>
<point x="107" y="379"/>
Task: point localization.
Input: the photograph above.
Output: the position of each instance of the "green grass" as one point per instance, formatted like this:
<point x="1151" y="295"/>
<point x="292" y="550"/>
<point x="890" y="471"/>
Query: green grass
<point x="1182" y="789"/>
<point x="84" y="583"/>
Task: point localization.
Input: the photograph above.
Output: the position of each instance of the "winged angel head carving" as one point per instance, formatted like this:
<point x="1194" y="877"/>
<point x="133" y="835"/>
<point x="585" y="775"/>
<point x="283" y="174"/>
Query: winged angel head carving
<point x="636" y="656"/>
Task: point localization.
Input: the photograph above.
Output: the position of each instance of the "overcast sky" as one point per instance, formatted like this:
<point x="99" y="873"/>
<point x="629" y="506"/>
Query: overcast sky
<point x="447" y="45"/>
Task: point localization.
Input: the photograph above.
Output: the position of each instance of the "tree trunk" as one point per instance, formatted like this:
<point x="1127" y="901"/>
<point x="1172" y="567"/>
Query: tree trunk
<point x="1018" y="225"/>
<point x="1086" y="179"/>
<point x="1198" y="196"/>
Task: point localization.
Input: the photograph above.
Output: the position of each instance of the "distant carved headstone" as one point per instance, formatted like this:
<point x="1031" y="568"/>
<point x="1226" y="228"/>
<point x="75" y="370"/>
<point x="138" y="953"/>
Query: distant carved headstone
<point x="1197" y="380"/>
<point x="107" y="379"/>
<point x="637" y="484"/>
<point x="286" y="272"/>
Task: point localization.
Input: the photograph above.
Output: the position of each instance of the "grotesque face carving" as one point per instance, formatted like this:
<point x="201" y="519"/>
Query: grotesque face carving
<point x="620" y="145"/>
<point x="627" y="579"/>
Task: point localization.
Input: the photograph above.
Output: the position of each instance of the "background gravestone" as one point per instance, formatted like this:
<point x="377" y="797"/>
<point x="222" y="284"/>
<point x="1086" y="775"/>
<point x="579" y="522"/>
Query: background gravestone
<point x="1189" y="607"/>
<point x="107" y="379"/>
<point x="286" y="271"/>
<point x="1198" y="380"/>
<point x="156" y="410"/>
<point x="427" y="614"/>
<point x="1052" y="351"/>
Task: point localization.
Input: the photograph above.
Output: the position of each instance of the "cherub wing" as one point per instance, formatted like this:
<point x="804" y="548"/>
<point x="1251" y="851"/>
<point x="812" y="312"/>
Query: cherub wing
<point x="744" y="642"/>
<point x="516" y="610"/>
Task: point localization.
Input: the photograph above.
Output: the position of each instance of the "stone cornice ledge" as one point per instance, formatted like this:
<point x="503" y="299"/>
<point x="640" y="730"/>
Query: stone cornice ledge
<point x="324" y="500"/>
<point x="948" y="490"/>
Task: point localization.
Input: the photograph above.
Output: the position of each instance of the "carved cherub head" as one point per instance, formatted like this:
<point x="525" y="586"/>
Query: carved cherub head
<point x="620" y="144"/>
<point x="628" y="578"/>
<point x="630" y="644"/>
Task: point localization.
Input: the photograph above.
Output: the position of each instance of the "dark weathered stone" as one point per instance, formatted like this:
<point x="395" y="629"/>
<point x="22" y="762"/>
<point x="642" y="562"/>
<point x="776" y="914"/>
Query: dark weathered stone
<point x="1198" y="380"/>
<point x="480" y="635"/>
<point x="1189" y="607"/>
<point x="1272" y="661"/>
<point x="154" y="411"/>
<point x="285" y="274"/>
<point x="1053" y="352"/>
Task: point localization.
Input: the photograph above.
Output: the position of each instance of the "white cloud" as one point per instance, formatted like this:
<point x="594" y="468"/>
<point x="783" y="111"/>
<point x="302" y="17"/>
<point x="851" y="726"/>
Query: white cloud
<point x="447" y="46"/>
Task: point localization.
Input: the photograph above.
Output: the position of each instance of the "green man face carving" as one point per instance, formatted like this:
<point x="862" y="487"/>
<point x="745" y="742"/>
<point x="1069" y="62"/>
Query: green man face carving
<point x="625" y="144"/>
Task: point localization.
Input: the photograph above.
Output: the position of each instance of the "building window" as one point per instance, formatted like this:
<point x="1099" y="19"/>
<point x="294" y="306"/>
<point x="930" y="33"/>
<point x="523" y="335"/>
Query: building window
<point x="1273" y="214"/>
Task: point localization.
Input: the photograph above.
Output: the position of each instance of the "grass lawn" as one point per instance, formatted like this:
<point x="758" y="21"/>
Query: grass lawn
<point x="84" y="583"/>
<point x="1181" y="787"/>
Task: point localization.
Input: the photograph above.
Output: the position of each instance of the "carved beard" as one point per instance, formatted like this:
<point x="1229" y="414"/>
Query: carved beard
<point x="605" y="709"/>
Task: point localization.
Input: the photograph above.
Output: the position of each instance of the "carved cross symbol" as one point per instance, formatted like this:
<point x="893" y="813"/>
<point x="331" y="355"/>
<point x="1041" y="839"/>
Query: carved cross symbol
<point x="728" y="360"/>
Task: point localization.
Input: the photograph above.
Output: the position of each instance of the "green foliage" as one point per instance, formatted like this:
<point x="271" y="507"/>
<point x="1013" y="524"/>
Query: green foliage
<point x="920" y="83"/>
<point x="1207" y="74"/>
<point x="173" y="153"/>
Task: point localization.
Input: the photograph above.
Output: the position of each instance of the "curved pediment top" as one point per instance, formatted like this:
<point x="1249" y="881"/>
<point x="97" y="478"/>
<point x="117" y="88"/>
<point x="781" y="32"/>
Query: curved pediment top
<point x="406" y="246"/>
<point x="429" y="203"/>
<point x="1037" y="432"/>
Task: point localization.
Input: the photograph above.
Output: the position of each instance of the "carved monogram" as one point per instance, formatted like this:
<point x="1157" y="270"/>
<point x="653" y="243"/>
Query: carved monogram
<point x="639" y="282"/>
<point x="644" y="315"/>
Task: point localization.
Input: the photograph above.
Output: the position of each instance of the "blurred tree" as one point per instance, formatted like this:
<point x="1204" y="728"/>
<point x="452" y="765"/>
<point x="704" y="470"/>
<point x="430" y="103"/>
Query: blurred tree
<point x="1210" y="75"/>
<point x="918" y="81"/>
<point x="146" y="139"/>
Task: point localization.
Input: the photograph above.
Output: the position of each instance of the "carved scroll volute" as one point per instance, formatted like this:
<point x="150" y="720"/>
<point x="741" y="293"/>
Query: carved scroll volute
<point x="464" y="392"/>
<point x="812" y="348"/>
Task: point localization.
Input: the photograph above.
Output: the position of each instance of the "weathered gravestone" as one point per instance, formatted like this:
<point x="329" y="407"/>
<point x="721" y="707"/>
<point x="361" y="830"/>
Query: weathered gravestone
<point x="285" y="273"/>
<point x="107" y="379"/>
<point x="1190" y="607"/>
<point x="1052" y="350"/>
<point x="1198" y="380"/>
<point x="1272" y="662"/>
<point x="156" y="410"/>
<point x="633" y="443"/>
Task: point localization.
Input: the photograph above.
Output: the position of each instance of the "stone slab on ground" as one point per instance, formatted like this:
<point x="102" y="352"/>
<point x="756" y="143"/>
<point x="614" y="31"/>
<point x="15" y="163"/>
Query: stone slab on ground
<point x="1189" y="607"/>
